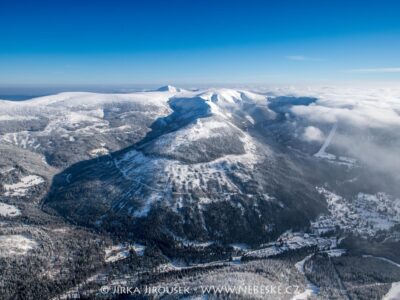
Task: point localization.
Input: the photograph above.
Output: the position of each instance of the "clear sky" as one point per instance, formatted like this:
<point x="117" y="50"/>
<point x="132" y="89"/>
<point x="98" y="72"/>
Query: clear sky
<point x="198" y="41"/>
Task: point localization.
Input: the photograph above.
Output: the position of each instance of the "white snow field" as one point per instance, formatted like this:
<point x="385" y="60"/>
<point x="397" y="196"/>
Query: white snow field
<point x="7" y="210"/>
<point x="122" y="251"/>
<point x="394" y="292"/>
<point x="293" y="241"/>
<point x="21" y="188"/>
<point x="13" y="245"/>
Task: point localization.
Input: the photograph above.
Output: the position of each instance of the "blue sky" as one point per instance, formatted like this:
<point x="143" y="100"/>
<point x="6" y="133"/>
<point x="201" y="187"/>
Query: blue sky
<point x="198" y="42"/>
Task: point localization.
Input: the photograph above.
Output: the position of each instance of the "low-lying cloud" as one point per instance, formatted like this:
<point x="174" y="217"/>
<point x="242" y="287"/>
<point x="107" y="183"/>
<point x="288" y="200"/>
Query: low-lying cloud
<point x="367" y="108"/>
<point x="313" y="134"/>
<point x="368" y="124"/>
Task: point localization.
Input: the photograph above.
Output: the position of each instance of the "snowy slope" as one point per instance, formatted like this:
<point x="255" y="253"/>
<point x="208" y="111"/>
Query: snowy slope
<point x="256" y="157"/>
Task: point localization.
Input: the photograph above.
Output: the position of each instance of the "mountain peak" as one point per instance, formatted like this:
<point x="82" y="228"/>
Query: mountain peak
<point x="169" y="88"/>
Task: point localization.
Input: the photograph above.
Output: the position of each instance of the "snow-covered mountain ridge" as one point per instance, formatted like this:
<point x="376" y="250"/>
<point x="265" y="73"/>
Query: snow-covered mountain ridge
<point x="193" y="161"/>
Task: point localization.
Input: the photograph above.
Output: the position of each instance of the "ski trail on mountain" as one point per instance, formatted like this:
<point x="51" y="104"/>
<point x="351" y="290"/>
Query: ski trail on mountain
<point x="321" y="153"/>
<point x="311" y="289"/>
<point x="394" y="292"/>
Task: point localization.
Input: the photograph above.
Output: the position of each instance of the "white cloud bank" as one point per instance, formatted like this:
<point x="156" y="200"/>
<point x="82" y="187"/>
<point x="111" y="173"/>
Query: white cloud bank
<point x="313" y="134"/>
<point x="368" y="122"/>
<point x="361" y="107"/>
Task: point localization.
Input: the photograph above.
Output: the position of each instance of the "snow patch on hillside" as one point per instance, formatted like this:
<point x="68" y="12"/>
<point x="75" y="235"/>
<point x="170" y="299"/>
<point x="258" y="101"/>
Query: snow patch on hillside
<point x="293" y="241"/>
<point x="394" y="292"/>
<point x="22" y="139"/>
<point x="14" y="245"/>
<point x="311" y="289"/>
<point x="122" y="251"/>
<point x="7" y="210"/>
<point x="21" y="188"/>
<point x="98" y="152"/>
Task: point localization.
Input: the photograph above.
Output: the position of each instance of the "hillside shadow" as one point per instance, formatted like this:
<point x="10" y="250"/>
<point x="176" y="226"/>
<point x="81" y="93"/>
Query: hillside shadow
<point x="184" y="112"/>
